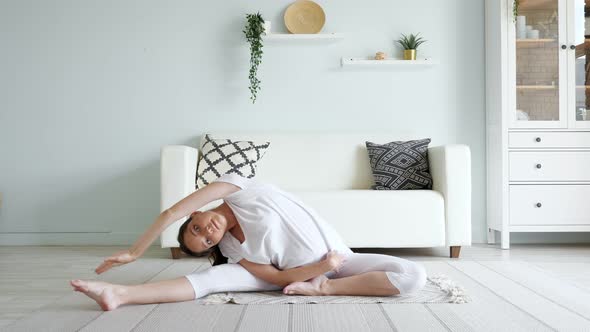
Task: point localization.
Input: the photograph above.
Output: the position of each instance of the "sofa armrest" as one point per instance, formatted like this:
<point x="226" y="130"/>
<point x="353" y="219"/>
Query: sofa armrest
<point x="178" y="168"/>
<point x="450" y="167"/>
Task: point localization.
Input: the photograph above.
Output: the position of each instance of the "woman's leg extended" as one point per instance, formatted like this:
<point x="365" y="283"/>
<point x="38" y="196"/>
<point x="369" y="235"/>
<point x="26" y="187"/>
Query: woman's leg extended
<point x="111" y="296"/>
<point x="367" y="274"/>
<point x="226" y="277"/>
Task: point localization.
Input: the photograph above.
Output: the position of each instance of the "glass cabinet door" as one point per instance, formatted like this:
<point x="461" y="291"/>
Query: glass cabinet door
<point x="579" y="60"/>
<point x="540" y="70"/>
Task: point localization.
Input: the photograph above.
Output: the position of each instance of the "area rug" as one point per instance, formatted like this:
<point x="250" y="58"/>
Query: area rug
<point x="438" y="289"/>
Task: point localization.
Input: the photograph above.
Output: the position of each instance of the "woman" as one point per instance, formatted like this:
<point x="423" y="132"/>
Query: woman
<point x="269" y="238"/>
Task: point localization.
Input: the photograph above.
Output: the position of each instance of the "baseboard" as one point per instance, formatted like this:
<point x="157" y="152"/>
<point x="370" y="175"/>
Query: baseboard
<point x="67" y="239"/>
<point x="121" y="238"/>
<point x="544" y="238"/>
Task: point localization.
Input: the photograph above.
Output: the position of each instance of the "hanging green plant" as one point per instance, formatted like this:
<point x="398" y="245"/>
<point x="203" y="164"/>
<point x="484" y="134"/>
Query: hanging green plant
<point x="253" y="31"/>
<point x="515" y="9"/>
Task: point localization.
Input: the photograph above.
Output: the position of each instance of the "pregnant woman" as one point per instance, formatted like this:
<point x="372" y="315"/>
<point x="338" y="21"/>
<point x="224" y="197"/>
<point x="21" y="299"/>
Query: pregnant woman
<point x="261" y="238"/>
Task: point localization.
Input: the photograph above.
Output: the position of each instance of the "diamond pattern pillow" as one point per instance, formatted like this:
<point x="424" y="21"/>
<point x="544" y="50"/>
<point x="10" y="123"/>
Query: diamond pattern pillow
<point x="400" y="165"/>
<point x="222" y="156"/>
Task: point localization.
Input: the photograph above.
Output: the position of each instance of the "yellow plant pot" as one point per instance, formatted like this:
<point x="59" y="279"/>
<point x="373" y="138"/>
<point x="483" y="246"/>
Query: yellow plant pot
<point x="409" y="54"/>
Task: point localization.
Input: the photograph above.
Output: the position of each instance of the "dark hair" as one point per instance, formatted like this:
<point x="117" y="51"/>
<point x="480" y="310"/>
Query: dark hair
<point x="214" y="254"/>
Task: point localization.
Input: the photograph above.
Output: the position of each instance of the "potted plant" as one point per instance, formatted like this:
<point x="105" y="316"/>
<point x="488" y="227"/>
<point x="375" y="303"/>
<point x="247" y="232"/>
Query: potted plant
<point x="410" y="44"/>
<point x="253" y="31"/>
<point x="515" y="5"/>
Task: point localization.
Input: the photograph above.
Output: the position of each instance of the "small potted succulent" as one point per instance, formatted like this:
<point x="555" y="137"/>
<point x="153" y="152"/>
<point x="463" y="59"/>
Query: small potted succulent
<point x="410" y="44"/>
<point x="253" y="30"/>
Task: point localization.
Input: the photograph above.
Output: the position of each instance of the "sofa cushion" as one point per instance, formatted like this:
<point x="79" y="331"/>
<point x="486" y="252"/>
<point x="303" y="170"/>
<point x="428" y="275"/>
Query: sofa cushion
<point x="223" y="156"/>
<point x="400" y="165"/>
<point x="380" y="218"/>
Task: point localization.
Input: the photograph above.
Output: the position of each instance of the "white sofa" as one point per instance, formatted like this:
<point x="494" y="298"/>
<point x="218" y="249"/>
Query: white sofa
<point x="331" y="173"/>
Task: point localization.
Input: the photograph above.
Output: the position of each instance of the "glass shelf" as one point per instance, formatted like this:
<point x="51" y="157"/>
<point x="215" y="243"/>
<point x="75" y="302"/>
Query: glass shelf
<point x="542" y="40"/>
<point x="536" y="87"/>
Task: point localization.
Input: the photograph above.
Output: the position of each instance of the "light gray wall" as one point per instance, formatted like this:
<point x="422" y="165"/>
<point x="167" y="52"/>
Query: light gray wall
<point x="90" y="91"/>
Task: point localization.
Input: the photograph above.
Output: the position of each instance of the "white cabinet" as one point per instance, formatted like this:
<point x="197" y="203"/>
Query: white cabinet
<point x="549" y="166"/>
<point x="538" y="128"/>
<point x="550" y="139"/>
<point x="542" y="205"/>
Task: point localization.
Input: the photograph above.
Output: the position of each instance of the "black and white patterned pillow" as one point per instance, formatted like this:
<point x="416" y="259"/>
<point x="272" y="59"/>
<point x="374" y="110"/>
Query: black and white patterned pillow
<point x="400" y="165"/>
<point x="222" y="156"/>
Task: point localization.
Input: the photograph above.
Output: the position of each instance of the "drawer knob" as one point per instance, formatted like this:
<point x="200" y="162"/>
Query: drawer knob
<point x="539" y="205"/>
<point x="539" y="166"/>
<point x="538" y="139"/>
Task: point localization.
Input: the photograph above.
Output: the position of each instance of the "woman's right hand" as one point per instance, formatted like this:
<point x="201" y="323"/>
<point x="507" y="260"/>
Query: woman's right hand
<point x="120" y="258"/>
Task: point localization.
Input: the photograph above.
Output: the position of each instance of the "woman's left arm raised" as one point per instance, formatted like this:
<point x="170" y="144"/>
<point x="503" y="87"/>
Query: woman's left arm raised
<point x="271" y="274"/>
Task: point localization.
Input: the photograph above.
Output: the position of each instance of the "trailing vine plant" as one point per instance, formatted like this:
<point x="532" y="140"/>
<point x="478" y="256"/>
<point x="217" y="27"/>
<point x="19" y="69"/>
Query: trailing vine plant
<point x="515" y="9"/>
<point x="253" y="31"/>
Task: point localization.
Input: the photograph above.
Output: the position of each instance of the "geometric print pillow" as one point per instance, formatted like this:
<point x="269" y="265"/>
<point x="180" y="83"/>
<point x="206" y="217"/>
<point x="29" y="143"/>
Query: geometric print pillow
<point x="400" y="165"/>
<point x="222" y="156"/>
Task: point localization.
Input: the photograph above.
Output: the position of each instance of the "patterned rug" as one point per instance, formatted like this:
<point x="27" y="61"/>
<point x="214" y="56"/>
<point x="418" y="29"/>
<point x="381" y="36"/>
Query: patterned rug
<point x="438" y="289"/>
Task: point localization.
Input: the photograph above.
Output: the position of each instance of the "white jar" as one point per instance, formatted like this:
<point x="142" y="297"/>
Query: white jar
<point x="267" y="27"/>
<point x="533" y="34"/>
<point x="520" y="27"/>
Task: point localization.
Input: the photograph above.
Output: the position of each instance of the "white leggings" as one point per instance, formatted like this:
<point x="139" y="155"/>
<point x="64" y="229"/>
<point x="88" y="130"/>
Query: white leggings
<point x="405" y="275"/>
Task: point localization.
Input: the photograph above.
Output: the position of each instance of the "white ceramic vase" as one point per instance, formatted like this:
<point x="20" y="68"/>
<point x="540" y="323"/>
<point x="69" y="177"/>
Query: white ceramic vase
<point x="520" y="27"/>
<point x="532" y="34"/>
<point x="267" y="27"/>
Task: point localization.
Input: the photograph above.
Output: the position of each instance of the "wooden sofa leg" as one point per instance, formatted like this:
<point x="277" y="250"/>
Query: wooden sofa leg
<point x="455" y="251"/>
<point x="175" y="253"/>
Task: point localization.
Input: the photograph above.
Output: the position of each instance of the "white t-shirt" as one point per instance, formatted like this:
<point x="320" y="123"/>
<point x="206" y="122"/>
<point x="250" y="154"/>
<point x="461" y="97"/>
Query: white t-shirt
<point x="279" y="229"/>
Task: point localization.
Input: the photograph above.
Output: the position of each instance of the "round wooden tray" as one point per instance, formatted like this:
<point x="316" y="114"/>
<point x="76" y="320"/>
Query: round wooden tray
<point x="304" y="16"/>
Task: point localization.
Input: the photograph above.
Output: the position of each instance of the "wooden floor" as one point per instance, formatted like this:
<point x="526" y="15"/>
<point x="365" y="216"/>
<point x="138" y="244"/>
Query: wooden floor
<point x="526" y="288"/>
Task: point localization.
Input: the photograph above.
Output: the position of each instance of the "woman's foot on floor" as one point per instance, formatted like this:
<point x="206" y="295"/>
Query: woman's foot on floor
<point x="315" y="286"/>
<point x="105" y="294"/>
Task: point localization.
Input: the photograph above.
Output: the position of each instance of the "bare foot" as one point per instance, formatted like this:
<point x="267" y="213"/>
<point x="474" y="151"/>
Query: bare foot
<point x="315" y="286"/>
<point x="105" y="294"/>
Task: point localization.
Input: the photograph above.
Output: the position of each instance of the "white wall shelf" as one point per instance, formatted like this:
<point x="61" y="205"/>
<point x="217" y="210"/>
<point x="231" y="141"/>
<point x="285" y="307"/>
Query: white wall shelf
<point x="363" y="62"/>
<point x="288" y="37"/>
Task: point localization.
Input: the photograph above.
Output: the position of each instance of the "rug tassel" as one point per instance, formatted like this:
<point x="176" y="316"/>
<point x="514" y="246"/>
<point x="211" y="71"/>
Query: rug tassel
<point x="456" y="292"/>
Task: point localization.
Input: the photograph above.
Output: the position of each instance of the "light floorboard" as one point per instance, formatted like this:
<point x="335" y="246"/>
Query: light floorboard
<point x="128" y="316"/>
<point x="376" y="317"/>
<point x="487" y="311"/>
<point x="527" y="288"/>
<point x="75" y="310"/>
<point x="566" y="295"/>
<point x="551" y="313"/>
<point x="329" y="317"/>
<point x="412" y="317"/>
<point x="190" y="317"/>
<point x="276" y="318"/>
<point x="575" y="273"/>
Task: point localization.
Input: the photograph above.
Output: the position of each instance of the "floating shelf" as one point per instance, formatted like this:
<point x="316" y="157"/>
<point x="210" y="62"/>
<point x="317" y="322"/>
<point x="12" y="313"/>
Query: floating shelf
<point x="386" y="63"/>
<point x="286" y="37"/>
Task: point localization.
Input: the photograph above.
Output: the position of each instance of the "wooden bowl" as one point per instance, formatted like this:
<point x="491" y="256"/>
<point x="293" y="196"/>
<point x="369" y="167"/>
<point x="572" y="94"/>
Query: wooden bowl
<point x="304" y="16"/>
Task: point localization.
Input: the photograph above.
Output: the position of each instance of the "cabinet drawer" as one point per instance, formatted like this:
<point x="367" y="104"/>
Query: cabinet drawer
<point x="549" y="204"/>
<point x="550" y="166"/>
<point x="549" y="139"/>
